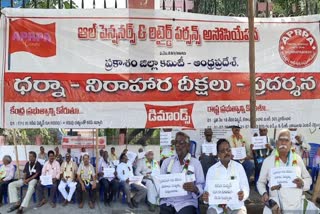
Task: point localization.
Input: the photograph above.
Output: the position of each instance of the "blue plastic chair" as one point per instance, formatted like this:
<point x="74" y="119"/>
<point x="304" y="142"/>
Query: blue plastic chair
<point x="314" y="169"/>
<point x="93" y="161"/>
<point x="5" y="194"/>
<point x="193" y="148"/>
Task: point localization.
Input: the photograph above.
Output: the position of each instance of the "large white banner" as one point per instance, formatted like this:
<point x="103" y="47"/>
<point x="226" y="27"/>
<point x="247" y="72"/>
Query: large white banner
<point x="154" y="68"/>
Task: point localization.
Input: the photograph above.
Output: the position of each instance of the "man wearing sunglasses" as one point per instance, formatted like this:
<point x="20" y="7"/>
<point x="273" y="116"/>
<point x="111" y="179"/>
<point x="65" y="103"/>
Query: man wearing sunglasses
<point x="182" y="162"/>
<point x="282" y="198"/>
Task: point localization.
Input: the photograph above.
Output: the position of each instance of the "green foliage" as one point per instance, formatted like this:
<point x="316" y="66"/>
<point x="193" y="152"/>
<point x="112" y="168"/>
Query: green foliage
<point x="52" y="4"/>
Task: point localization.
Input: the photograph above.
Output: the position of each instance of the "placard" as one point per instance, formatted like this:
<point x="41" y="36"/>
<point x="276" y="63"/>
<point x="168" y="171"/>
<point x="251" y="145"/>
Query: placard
<point x="208" y="148"/>
<point x="135" y="179"/>
<point x="259" y="142"/>
<point x="171" y="185"/>
<point x="108" y="172"/>
<point x="116" y="162"/>
<point x="46" y="180"/>
<point x="239" y="153"/>
<point x="223" y="191"/>
<point x="131" y="157"/>
<point x="283" y="176"/>
<point x="165" y="138"/>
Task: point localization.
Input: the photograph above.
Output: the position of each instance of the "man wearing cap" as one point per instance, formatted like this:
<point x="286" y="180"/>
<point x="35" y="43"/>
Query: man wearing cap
<point x="149" y="167"/>
<point x="206" y="158"/>
<point x="236" y="141"/>
<point x="282" y="198"/>
<point x="182" y="162"/>
<point x="301" y="146"/>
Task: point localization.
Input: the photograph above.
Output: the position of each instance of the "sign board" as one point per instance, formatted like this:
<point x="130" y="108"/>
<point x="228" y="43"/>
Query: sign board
<point x="223" y="191"/>
<point x="283" y="176"/>
<point x="79" y="142"/>
<point x="239" y="153"/>
<point x="259" y="142"/>
<point x="171" y="185"/>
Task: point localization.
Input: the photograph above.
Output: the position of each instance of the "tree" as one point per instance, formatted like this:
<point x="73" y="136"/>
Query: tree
<point x="52" y="4"/>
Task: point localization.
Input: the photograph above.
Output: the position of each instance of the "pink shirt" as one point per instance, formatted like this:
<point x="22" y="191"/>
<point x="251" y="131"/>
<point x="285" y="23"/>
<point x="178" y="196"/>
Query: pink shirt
<point x="52" y="169"/>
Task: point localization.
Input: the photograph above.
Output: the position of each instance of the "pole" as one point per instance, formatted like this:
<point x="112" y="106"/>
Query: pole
<point x="16" y="150"/>
<point x="252" y="65"/>
<point x="97" y="150"/>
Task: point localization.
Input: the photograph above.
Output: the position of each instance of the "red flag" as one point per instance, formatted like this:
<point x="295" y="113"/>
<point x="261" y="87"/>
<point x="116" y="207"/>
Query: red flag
<point x="28" y="36"/>
<point x="141" y="4"/>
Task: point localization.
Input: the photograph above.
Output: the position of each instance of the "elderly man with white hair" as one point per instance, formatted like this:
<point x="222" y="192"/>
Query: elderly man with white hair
<point x="282" y="199"/>
<point x="148" y="167"/>
<point x="7" y="171"/>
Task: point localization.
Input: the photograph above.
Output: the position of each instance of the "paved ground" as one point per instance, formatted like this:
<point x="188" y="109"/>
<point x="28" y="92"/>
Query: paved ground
<point x="118" y="208"/>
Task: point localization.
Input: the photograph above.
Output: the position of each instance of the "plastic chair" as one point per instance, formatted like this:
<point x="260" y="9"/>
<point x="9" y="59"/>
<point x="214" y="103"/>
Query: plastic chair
<point x="314" y="169"/>
<point x="193" y="148"/>
<point x="5" y="194"/>
<point x="33" y="195"/>
<point x="93" y="161"/>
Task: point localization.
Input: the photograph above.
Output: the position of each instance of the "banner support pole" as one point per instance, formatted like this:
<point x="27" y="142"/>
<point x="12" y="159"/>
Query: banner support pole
<point x="252" y="64"/>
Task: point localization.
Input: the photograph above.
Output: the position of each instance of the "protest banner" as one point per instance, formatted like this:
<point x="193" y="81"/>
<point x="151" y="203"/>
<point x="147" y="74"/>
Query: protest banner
<point x="259" y="142"/>
<point x="171" y="185"/>
<point x="151" y="68"/>
<point x="223" y="191"/>
<point x="239" y="153"/>
<point x="283" y="176"/>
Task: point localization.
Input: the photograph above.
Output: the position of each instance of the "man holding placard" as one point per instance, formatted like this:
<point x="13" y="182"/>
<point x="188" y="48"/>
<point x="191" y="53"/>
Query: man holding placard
<point x="287" y="177"/>
<point x="226" y="184"/>
<point x="108" y="178"/>
<point x="262" y="147"/>
<point x="49" y="177"/>
<point x="148" y="167"/>
<point x="32" y="171"/>
<point x="241" y="151"/>
<point x="182" y="164"/>
<point x="207" y="151"/>
<point x="124" y="173"/>
<point x="68" y="179"/>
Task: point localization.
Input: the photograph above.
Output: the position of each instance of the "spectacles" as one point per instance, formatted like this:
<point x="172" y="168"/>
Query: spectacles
<point x="180" y="142"/>
<point x="225" y="151"/>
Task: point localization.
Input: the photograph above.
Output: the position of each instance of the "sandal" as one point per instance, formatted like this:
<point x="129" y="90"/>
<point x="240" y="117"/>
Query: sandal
<point x="13" y="208"/>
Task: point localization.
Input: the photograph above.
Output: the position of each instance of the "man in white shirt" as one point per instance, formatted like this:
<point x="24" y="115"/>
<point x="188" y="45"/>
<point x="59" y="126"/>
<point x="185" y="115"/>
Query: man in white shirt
<point x="182" y="162"/>
<point x="124" y="172"/>
<point x="207" y="159"/>
<point x="227" y="169"/>
<point x="109" y="183"/>
<point x="285" y="199"/>
<point x="149" y="167"/>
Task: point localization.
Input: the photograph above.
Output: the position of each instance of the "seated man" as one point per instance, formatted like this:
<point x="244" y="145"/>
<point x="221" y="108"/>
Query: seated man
<point x="260" y="155"/>
<point x="110" y="184"/>
<point x="283" y="199"/>
<point x="51" y="168"/>
<point x="236" y="141"/>
<point x="113" y="156"/>
<point x="68" y="178"/>
<point x="124" y="172"/>
<point x="86" y="181"/>
<point x="32" y="171"/>
<point x="227" y="169"/>
<point x="182" y="162"/>
<point x="146" y="167"/>
<point x="7" y="171"/>
<point x="206" y="159"/>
